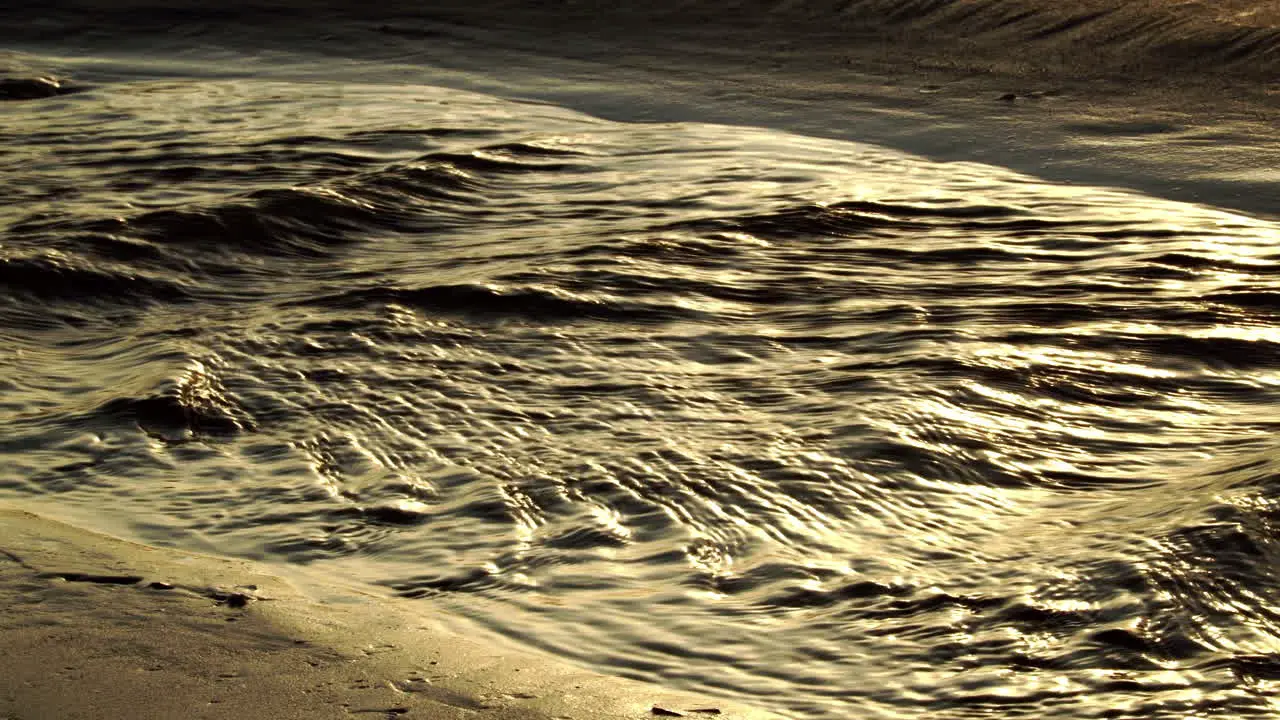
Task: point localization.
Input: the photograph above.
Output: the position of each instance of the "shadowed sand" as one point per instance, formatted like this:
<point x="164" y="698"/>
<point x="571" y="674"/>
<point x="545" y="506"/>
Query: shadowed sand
<point x="97" y="627"/>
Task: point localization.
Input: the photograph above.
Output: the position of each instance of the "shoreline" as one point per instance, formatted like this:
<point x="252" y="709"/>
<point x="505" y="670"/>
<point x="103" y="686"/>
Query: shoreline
<point x="101" y="627"/>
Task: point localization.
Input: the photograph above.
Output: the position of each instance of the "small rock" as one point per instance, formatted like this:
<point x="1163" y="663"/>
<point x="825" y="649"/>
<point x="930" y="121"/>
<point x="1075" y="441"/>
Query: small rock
<point x="1008" y="97"/>
<point x="232" y="598"/>
<point x="664" y="712"/>
<point x="707" y="710"/>
<point x="158" y="585"/>
<point x="411" y="685"/>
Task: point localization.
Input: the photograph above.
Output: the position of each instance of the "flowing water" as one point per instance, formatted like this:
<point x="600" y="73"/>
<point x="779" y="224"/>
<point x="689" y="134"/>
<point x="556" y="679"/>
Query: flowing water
<point x="828" y="427"/>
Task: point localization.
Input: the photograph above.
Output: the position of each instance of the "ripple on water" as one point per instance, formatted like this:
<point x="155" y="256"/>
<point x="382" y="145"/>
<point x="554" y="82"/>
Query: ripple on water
<point x="828" y="427"/>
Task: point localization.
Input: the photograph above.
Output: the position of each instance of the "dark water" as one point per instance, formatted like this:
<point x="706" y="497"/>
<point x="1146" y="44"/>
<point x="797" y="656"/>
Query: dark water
<point x="831" y="428"/>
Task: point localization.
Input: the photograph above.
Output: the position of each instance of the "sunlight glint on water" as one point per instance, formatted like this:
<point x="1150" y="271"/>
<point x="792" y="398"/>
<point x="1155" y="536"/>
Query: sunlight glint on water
<point x="825" y="426"/>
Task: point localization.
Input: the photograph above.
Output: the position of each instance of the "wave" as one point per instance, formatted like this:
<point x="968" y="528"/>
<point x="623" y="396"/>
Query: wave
<point x="488" y="302"/>
<point x="60" y="278"/>
<point x="1146" y="36"/>
<point x="172" y="254"/>
<point x="1239" y="37"/>
<point x="610" y="387"/>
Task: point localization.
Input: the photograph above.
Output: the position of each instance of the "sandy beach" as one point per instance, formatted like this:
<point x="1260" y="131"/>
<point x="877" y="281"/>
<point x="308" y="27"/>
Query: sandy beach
<point x="96" y="627"/>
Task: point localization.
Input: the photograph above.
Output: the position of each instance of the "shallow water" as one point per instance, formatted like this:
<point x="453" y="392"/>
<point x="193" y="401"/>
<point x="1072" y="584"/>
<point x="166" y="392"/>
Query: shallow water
<point x="824" y="426"/>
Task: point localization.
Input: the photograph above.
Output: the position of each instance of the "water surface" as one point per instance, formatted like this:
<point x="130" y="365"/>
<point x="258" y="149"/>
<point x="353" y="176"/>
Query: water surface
<point x="828" y="427"/>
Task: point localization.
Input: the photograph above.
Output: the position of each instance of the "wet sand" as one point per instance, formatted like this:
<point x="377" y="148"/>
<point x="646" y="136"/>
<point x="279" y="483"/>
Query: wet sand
<point x="97" y="627"/>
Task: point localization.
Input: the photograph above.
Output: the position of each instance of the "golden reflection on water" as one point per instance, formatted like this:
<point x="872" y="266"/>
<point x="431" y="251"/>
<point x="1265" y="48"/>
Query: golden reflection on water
<point x="668" y="399"/>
